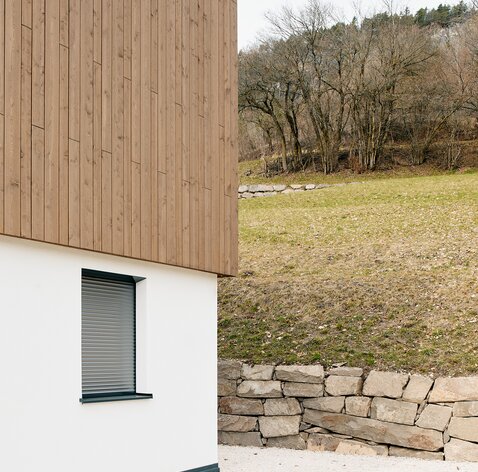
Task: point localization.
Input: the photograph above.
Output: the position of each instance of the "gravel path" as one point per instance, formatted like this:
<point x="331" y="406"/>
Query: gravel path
<point x="248" y="459"/>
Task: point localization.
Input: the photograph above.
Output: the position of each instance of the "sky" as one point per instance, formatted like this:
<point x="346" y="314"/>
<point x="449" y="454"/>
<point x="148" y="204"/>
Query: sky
<point x="252" y="21"/>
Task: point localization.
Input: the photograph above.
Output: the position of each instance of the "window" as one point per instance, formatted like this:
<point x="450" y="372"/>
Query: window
<point x="108" y="337"/>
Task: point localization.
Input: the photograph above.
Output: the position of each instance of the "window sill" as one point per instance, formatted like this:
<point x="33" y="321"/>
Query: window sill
<point x="116" y="398"/>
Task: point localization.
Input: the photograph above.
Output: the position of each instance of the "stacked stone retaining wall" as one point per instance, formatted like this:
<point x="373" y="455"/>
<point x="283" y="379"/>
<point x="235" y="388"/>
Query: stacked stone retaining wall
<point x="263" y="190"/>
<point x="344" y="410"/>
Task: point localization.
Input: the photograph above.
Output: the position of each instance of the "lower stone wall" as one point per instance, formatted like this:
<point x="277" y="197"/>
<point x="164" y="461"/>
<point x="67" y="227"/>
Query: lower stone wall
<point x="346" y="411"/>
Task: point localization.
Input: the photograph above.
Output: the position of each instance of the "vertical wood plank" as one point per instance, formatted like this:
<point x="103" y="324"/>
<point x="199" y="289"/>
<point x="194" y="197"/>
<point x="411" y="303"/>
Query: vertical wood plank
<point x="26" y="134"/>
<point x="154" y="177"/>
<point x="146" y="168"/>
<point x="117" y="128"/>
<point x="97" y="26"/>
<point x="106" y="74"/>
<point x="162" y="216"/>
<point x="227" y="95"/>
<point x="74" y="71"/>
<point x="136" y="209"/>
<point x="74" y="193"/>
<point x="106" y="203"/>
<point x="179" y="130"/>
<point x="13" y="54"/>
<point x="207" y="136"/>
<point x="171" y="131"/>
<point x="26" y="13"/>
<point x="153" y="45"/>
<point x="215" y="137"/>
<point x="234" y="144"/>
<point x="52" y="118"/>
<point x="63" y="147"/>
<point x="86" y="125"/>
<point x="38" y="180"/>
<point x="136" y="128"/>
<point x="193" y="216"/>
<point x="64" y="22"/>
<point x="97" y="160"/>
<point x="201" y="259"/>
<point x="163" y="90"/>
<point x="186" y="108"/>
<point x="2" y="70"/>
<point x="128" y="19"/>
<point x="127" y="167"/>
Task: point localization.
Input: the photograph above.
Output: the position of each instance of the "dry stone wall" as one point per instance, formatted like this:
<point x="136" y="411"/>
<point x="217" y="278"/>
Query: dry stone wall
<point x="263" y="190"/>
<point x="346" y="411"/>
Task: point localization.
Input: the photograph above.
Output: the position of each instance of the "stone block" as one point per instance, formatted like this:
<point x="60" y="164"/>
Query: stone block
<point x="298" y="442"/>
<point x="300" y="373"/>
<point x="296" y="186"/>
<point x="243" y="188"/>
<point x="464" y="428"/>
<point x="282" y="407"/>
<point x="240" y="406"/>
<point x="226" y="388"/>
<point x="424" y="455"/>
<point x="277" y="426"/>
<point x="265" y="188"/>
<point x="322" y="443"/>
<point x="287" y="191"/>
<point x="369" y="429"/>
<point x="338" y="385"/>
<point x="257" y="372"/>
<point x="460" y="451"/>
<point x="238" y="424"/>
<point x="316" y="429"/>
<point x="253" y="188"/>
<point x="240" y="439"/>
<point x="417" y="388"/>
<point x="358" y="406"/>
<point x="393" y="411"/>
<point x="279" y="188"/>
<point x="247" y="195"/>
<point x="347" y="371"/>
<point x="356" y="448"/>
<point x="384" y="384"/>
<point x="227" y="369"/>
<point x="259" y="389"/>
<point x="332" y="404"/>
<point x="455" y="389"/>
<point x="435" y="417"/>
<point x="465" y="409"/>
<point x="303" y="390"/>
<point x="310" y="186"/>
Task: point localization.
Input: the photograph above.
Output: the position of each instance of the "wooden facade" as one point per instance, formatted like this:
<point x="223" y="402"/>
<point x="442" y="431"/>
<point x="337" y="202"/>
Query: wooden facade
<point x="118" y="127"/>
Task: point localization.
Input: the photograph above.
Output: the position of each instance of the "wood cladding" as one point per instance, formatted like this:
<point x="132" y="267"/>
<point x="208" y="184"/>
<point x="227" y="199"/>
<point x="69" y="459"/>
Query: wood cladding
<point x="118" y="127"/>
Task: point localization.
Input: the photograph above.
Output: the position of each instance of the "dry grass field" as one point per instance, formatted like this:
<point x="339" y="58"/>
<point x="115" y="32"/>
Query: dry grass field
<point x="383" y="274"/>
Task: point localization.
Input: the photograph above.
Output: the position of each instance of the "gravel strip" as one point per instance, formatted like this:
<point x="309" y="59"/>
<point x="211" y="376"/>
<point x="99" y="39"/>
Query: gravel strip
<point x="248" y="459"/>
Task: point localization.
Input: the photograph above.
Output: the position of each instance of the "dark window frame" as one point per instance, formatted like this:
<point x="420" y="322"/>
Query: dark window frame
<point x="117" y="396"/>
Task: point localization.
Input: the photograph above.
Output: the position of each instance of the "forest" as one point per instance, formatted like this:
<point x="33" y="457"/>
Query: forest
<point x="398" y="86"/>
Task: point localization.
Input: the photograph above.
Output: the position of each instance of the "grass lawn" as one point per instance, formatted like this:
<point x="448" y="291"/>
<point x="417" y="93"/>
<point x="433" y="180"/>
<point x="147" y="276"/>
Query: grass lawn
<point x="383" y="274"/>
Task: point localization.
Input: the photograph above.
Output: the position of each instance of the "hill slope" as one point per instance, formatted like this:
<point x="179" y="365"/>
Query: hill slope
<point x="383" y="274"/>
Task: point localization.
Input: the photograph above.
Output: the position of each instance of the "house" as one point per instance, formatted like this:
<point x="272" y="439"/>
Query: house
<point x="118" y="212"/>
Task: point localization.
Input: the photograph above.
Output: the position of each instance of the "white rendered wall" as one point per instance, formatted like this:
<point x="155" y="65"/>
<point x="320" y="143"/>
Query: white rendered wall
<point x="43" y="426"/>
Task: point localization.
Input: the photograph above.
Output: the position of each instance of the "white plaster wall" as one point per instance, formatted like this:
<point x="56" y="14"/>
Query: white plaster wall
<point x="43" y="426"/>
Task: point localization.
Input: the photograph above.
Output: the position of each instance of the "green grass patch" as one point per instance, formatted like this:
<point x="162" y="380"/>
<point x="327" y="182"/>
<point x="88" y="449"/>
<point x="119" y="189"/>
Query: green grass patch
<point x="383" y="274"/>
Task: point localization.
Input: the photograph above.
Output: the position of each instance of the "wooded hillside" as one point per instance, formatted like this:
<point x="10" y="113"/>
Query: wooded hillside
<point x="318" y="90"/>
